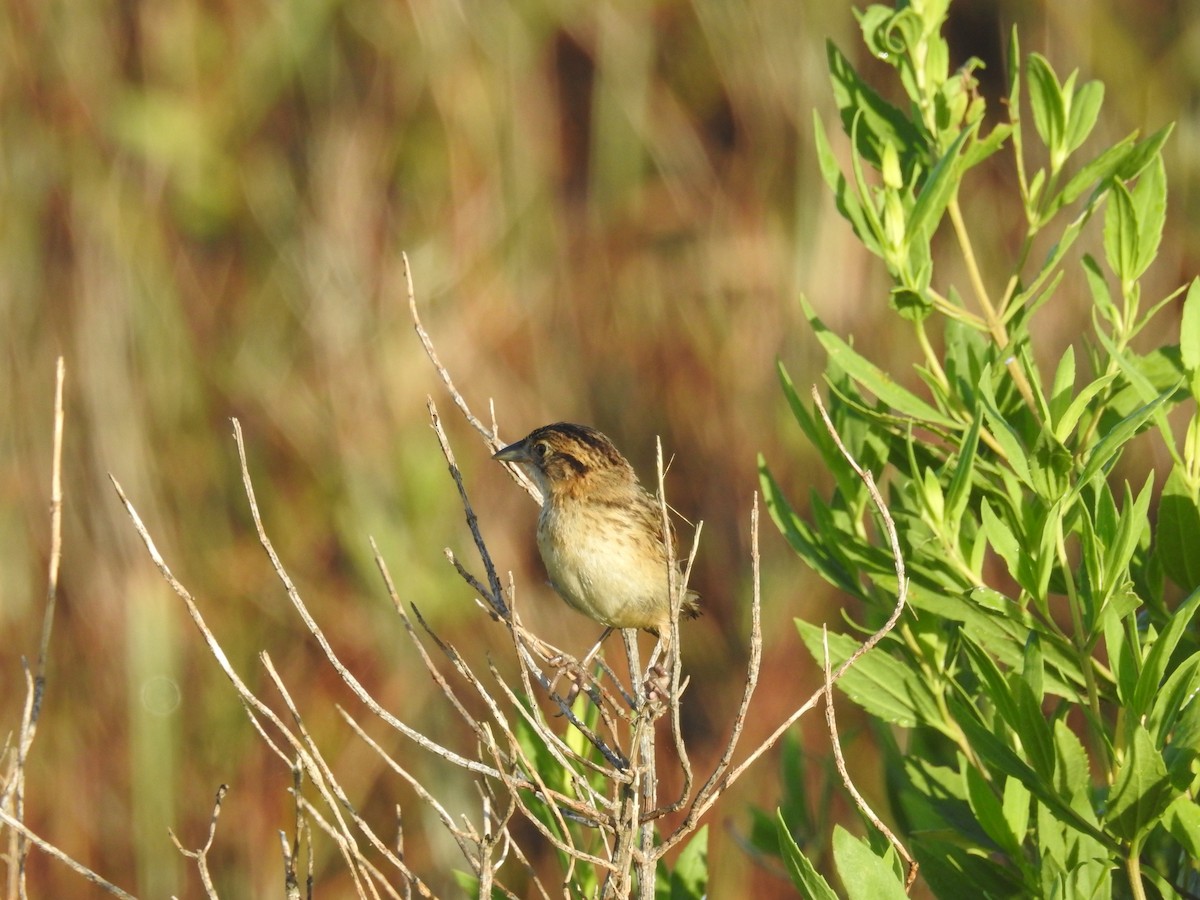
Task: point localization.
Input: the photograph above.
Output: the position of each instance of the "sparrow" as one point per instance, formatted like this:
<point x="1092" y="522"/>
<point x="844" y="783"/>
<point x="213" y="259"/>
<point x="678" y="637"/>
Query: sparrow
<point x="600" y="533"/>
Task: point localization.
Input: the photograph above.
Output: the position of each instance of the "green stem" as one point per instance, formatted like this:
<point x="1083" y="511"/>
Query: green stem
<point x="995" y="323"/>
<point x="951" y="311"/>
<point x="1133" y="868"/>
<point x="1078" y="642"/>
<point x="981" y="293"/>
<point x="931" y="358"/>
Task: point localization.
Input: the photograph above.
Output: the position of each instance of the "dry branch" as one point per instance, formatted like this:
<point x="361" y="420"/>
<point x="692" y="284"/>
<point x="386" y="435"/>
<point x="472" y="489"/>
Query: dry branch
<point x="12" y="791"/>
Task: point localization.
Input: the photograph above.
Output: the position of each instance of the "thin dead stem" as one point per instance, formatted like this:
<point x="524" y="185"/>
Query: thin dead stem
<point x="52" y="851"/>
<point x="716" y="786"/>
<point x="840" y="761"/>
<point x="12" y="792"/>
<point x="200" y="855"/>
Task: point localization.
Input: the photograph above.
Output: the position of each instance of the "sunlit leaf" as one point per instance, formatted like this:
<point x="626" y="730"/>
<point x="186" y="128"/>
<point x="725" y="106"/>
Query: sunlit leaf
<point x="804" y="875"/>
<point x="864" y="874"/>
<point x="1121" y="233"/>
<point x="1141" y="791"/>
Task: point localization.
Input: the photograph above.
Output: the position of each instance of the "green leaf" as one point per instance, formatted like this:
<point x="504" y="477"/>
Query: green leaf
<point x="1031" y="725"/>
<point x="805" y="877"/>
<point x="1016" y="808"/>
<point x="1096" y="173"/>
<point x="864" y="875"/>
<point x="937" y="190"/>
<point x="1180" y="692"/>
<point x="1001" y="538"/>
<point x="911" y="305"/>
<point x="1014" y="71"/>
<point x="1063" y="387"/>
<point x="1046" y="100"/>
<point x="1157" y="371"/>
<point x="871" y="377"/>
<point x="812" y="547"/>
<point x="1123" y="656"/>
<point x="1072" y="770"/>
<point x="689" y="878"/>
<point x="816" y="434"/>
<point x="1098" y="286"/>
<point x="880" y="122"/>
<point x="1070" y="418"/>
<point x="998" y="755"/>
<point x="988" y="810"/>
<point x="1121" y="233"/>
<point x="1150" y="206"/>
<point x="993" y="685"/>
<point x="981" y="149"/>
<point x="932" y="497"/>
<point x="1006" y="436"/>
<point x="1002" y="634"/>
<point x="1175" y="534"/>
<point x="958" y="493"/>
<point x="1189" y="329"/>
<point x="1182" y="820"/>
<point x="1122" y="542"/>
<point x="1141" y="791"/>
<point x="1141" y="155"/>
<point x="1085" y="109"/>
<point x="846" y="200"/>
<point x="1111" y="445"/>
<point x="1159" y="654"/>
<point x="881" y="684"/>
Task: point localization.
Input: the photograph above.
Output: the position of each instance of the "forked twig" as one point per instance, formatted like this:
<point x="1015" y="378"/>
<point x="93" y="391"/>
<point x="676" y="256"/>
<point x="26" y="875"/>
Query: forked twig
<point x="840" y="761"/>
<point x="200" y="855"/>
<point x="677" y="593"/>
<point x="315" y="630"/>
<point x="708" y="795"/>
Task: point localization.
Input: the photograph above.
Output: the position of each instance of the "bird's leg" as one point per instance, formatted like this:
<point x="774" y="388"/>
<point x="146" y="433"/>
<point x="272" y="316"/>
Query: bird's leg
<point x="661" y="648"/>
<point x="657" y="680"/>
<point x="583" y="664"/>
<point x="576" y="672"/>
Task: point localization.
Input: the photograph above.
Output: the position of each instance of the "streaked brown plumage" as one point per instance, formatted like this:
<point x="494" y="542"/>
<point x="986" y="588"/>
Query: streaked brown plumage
<point x="600" y="531"/>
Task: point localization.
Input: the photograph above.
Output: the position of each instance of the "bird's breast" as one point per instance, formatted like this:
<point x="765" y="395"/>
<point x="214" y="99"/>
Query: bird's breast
<point x="602" y="563"/>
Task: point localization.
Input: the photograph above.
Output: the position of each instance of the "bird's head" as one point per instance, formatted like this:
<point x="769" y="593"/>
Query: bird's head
<point x="564" y="459"/>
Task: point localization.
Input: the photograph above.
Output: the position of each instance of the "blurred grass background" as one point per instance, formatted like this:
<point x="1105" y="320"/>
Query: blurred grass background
<point x="610" y="209"/>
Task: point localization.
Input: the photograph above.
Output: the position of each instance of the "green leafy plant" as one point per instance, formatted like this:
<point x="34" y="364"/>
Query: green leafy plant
<point x="1037" y="705"/>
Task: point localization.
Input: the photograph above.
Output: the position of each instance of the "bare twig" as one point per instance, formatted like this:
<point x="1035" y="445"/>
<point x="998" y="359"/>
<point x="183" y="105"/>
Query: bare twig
<point x="14" y="789"/>
<point x="312" y="761"/>
<point x="200" y="855"/>
<point x="313" y="814"/>
<point x="491" y="436"/>
<point x="302" y="838"/>
<point x="464" y="839"/>
<point x="495" y="596"/>
<point x="56" y="503"/>
<point x="708" y="795"/>
<point x="346" y="675"/>
<point x="675" y="657"/>
<point x="50" y="850"/>
<point x="860" y="801"/>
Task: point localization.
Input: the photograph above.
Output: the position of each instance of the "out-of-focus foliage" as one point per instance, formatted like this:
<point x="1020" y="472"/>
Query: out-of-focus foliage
<point x="611" y="210"/>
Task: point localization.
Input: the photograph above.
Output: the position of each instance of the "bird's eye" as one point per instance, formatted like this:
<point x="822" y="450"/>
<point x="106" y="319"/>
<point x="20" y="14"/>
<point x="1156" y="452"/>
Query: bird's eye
<point x="540" y="449"/>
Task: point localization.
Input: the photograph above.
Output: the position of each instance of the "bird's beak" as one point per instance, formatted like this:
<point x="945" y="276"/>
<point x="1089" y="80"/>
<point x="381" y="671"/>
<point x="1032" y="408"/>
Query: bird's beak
<point x="513" y="453"/>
